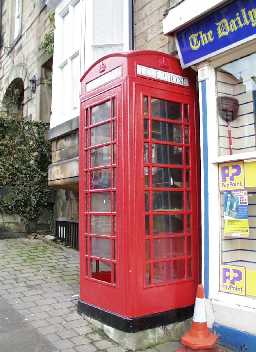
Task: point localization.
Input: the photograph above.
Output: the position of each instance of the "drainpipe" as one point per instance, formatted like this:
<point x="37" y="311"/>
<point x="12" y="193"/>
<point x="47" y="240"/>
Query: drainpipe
<point x="1" y="23"/>
<point x="131" y="24"/>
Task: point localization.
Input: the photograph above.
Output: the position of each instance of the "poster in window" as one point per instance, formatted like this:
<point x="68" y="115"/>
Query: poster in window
<point x="233" y="279"/>
<point x="231" y="176"/>
<point x="251" y="282"/>
<point x="236" y="213"/>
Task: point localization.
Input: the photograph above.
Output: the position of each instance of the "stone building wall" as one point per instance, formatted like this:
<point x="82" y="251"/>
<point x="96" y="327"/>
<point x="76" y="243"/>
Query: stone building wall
<point x="20" y="61"/>
<point x="148" y="33"/>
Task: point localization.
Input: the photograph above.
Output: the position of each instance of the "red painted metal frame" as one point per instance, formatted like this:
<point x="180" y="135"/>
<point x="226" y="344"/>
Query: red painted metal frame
<point x="127" y="293"/>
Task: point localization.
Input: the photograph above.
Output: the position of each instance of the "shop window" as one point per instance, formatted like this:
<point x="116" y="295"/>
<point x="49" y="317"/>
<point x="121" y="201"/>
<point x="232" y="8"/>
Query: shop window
<point x="238" y="228"/>
<point x="236" y="104"/>
<point x="236" y="89"/>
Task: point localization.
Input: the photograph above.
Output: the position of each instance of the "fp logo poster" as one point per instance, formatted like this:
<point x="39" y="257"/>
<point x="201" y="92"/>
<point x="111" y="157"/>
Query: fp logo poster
<point x="231" y="176"/>
<point x="233" y="279"/>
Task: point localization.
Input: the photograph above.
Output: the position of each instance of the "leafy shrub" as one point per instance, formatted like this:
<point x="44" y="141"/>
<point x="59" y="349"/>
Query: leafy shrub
<point x="24" y="160"/>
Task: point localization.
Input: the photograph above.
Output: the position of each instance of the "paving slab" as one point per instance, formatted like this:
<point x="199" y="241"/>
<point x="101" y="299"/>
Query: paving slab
<point x="17" y="335"/>
<point x="39" y="288"/>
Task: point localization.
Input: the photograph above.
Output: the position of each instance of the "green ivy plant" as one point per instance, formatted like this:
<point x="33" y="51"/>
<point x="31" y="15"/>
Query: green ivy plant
<point x="24" y="160"/>
<point x="47" y="43"/>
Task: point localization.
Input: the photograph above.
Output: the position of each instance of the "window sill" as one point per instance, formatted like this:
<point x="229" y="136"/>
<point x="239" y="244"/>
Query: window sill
<point x="250" y="156"/>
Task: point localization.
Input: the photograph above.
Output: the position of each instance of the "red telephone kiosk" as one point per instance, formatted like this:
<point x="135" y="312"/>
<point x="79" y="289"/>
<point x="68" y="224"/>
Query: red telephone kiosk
<point x="139" y="191"/>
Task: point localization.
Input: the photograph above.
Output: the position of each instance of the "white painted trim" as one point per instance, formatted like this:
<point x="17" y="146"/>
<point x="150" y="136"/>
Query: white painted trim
<point x="234" y="157"/>
<point x="183" y="15"/>
<point x="234" y="54"/>
<point x="126" y="23"/>
<point x="207" y="73"/>
<point x="202" y="180"/>
<point x="213" y="195"/>
<point x="88" y="42"/>
<point x="229" y="310"/>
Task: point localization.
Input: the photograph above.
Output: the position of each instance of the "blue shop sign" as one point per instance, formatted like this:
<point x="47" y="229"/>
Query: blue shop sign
<point x="221" y="30"/>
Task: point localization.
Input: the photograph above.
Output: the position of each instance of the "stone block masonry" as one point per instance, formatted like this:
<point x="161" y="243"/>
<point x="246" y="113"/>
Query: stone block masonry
<point x="148" y="17"/>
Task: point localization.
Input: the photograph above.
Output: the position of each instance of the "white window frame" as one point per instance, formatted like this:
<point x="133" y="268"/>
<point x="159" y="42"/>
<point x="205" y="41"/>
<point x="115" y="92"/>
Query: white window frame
<point x="17" y="19"/>
<point x="85" y="52"/>
<point x="65" y="59"/>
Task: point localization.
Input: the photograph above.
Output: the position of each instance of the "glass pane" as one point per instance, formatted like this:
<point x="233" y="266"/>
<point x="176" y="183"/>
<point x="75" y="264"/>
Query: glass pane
<point x="186" y="112"/>
<point x="186" y="135"/>
<point x="101" y="201"/>
<point x="188" y="201"/>
<point x="165" y="154"/>
<point x="101" y="156"/>
<point x="101" y="225"/>
<point x="101" y="112"/>
<point x="164" y="177"/>
<point x="167" y="200"/>
<point x="145" y="152"/>
<point x="101" y="134"/>
<point x="101" y="271"/>
<point x="148" y="278"/>
<point x="114" y="154"/>
<point x="165" y="109"/>
<point x="146" y="174"/>
<point x="85" y="202"/>
<point x="169" y="271"/>
<point x="145" y="129"/>
<point x="187" y="156"/>
<point x="188" y="223"/>
<point x="162" y="272"/>
<point x="168" y="247"/>
<point x="167" y="223"/>
<point x="114" y="178"/>
<point x="113" y="131"/>
<point x="189" y="245"/>
<point x="101" y="248"/>
<point x="113" y="201"/>
<point x="178" y="269"/>
<point x="113" y="108"/>
<point x="189" y="268"/>
<point x="145" y="106"/>
<point x="147" y="250"/>
<point x="188" y="178"/>
<point x="147" y="201"/>
<point x="147" y="224"/>
<point x="164" y="131"/>
<point x="114" y="224"/>
<point x="101" y="179"/>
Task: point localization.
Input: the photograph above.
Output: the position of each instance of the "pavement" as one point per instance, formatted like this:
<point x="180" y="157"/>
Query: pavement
<point x="39" y="287"/>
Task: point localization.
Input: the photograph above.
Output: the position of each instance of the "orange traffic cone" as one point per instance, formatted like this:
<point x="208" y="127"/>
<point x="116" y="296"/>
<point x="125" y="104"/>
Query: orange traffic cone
<point x="199" y="337"/>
